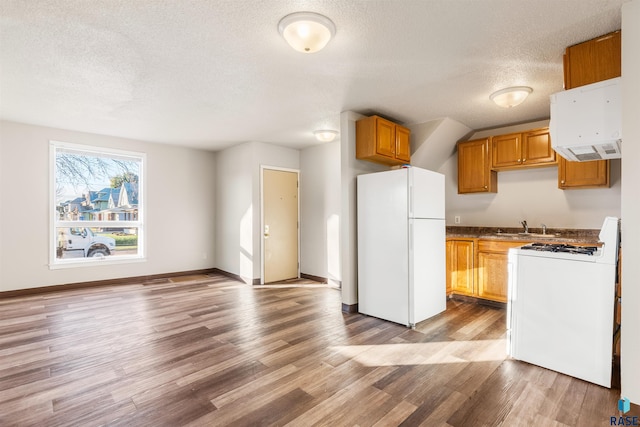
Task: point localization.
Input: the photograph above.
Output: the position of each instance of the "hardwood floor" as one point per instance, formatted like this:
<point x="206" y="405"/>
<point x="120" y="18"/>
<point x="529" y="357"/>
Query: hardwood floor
<point x="204" y="350"/>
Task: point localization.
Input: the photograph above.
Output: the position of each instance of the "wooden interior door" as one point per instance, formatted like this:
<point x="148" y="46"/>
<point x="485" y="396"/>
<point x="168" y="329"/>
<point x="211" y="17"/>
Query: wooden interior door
<point x="280" y="219"/>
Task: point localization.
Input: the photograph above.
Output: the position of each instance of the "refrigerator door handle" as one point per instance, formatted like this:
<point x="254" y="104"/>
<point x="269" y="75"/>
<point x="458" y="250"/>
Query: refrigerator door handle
<point x="412" y="314"/>
<point x="410" y="207"/>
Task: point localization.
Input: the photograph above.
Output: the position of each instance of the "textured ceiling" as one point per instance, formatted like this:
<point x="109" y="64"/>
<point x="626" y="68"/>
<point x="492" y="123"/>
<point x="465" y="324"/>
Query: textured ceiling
<point x="210" y="74"/>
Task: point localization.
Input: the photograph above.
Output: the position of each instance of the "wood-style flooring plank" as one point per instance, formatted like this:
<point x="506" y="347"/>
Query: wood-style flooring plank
<point x="206" y="350"/>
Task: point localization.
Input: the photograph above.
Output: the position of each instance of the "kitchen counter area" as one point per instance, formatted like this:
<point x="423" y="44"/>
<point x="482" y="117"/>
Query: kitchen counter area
<point x="555" y="235"/>
<point x="477" y="257"/>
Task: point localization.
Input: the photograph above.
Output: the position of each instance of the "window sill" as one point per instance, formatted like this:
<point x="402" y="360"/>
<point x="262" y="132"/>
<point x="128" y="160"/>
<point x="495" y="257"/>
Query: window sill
<point x="95" y="262"/>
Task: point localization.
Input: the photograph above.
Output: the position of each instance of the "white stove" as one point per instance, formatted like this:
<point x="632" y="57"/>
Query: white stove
<point x="561" y="301"/>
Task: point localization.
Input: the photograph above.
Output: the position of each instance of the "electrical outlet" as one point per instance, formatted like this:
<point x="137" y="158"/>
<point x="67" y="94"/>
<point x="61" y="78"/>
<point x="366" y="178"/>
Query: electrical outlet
<point x="456" y="219"/>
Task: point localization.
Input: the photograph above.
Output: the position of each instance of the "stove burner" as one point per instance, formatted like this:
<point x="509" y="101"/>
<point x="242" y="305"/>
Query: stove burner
<point x="559" y="247"/>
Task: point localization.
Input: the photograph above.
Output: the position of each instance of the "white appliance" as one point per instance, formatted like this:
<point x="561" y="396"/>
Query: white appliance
<point x="561" y="302"/>
<point x="401" y="245"/>
<point x="586" y="122"/>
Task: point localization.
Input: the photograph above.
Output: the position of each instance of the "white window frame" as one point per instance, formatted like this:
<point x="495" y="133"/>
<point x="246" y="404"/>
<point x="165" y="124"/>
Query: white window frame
<point x="55" y="222"/>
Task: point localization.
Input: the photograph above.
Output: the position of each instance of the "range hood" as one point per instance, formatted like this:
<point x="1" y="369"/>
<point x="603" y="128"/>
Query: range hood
<point x="586" y="122"/>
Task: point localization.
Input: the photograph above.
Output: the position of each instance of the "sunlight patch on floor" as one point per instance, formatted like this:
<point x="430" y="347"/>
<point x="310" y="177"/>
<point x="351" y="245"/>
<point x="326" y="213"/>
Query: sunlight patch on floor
<point x="425" y="353"/>
<point x="294" y="285"/>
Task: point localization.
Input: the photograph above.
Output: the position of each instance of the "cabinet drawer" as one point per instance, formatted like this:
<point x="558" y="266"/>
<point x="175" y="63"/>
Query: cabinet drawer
<point x="498" y="246"/>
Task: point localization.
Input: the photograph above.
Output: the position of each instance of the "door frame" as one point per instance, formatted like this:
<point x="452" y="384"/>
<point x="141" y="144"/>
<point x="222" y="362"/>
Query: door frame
<point x="275" y="168"/>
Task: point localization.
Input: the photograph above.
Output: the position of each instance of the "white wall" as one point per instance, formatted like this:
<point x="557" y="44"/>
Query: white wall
<point x="234" y="210"/>
<point x="180" y="209"/>
<point x="432" y="143"/>
<point x="238" y="204"/>
<point x="350" y="168"/>
<point x="630" y="342"/>
<point x="320" y="211"/>
<point x="531" y="195"/>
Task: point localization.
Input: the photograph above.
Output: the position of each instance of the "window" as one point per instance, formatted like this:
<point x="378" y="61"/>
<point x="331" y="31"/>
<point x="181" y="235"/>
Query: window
<point x="97" y="205"/>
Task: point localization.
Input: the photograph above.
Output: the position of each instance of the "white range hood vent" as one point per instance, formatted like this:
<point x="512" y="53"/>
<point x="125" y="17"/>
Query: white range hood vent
<point x="586" y="122"/>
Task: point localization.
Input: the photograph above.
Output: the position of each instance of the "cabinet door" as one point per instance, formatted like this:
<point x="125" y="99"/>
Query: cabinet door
<point x="462" y="267"/>
<point x="403" y="144"/>
<point x="450" y="249"/>
<point x="385" y="137"/>
<point x="574" y="175"/>
<point x="593" y="61"/>
<point x="492" y="266"/>
<point x="536" y="148"/>
<point x="585" y="63"/>
<point x="474" y="172"/>
<point x="506" y="151"/>
<point x="492" y="276"/>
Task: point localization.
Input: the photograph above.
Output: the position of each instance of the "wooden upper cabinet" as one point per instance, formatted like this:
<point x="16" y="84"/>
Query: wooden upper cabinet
<point x="574" y="175"/>
<point x="522" y="150"/>
<point x="585" y="63"/>
<point x="403" y="144"/>
<point x="506" y="151"/>
<point x="474" y="168"/>
<point x="382" y="141"/>
<point x="385" y="138"/>
<point x="536" y="148"/>
<point x="593" y="61"/>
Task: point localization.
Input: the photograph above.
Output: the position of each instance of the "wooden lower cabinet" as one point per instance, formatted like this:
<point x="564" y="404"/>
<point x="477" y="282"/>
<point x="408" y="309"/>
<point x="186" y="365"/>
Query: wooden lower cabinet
<point x="479" y="268"/>
<point x="492" y="276"/>
<point x="460" y="260"/>
<point x="492" y="269"/>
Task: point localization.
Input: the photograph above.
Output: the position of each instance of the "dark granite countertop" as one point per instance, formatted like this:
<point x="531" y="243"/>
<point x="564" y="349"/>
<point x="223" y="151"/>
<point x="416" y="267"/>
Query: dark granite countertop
<point x="560" y="235"/>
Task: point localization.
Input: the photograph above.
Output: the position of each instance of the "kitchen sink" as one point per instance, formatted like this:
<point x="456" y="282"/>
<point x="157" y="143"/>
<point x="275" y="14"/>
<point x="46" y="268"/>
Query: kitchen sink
<point x="533" y="235"/>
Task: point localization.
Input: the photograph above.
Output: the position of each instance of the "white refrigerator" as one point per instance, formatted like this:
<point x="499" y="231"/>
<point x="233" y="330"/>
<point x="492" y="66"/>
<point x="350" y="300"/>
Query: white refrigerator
<point x="401" y="245"/>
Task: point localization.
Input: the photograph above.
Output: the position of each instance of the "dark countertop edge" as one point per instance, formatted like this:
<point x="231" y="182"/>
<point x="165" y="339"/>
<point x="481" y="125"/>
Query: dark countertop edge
<point x="564" y="235"/>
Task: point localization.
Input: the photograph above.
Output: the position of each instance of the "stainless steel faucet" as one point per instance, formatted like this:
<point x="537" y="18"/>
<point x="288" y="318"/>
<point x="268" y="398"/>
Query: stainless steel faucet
<point x="544" y="228"/>
<point x="526" y="227"/>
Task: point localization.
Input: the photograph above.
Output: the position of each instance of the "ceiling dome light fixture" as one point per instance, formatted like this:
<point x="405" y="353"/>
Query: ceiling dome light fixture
<point x="511" y="96"/>
<point x="306" y="32"/>
<point x="325" y="135"/>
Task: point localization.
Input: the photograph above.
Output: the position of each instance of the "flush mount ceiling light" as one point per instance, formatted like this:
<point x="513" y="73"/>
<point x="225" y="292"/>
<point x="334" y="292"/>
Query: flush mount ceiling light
<point x="325" y="135"/>
<point x="306" y="32"/>
<point x="511" y="96"/>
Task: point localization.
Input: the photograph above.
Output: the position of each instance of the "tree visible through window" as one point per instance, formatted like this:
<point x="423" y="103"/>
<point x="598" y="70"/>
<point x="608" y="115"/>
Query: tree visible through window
<point x="97" y="204"/>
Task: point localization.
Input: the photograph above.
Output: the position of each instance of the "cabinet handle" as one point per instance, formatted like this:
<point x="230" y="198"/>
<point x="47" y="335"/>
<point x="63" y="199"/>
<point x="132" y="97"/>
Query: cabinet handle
<point x="562" y="182"/>
<point x="485" y="186"/>
<point x="519" y="160"/>
<point x="524" y="160"/>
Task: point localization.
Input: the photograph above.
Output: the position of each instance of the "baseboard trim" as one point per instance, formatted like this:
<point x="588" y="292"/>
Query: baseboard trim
<point x="474" y="300"/>
<point x="314" y="278"/>
<point x="237" y="277"/>
<point x="106" y="282"/>
<point x="332" y="282"/>
<point x="349" y="308"/>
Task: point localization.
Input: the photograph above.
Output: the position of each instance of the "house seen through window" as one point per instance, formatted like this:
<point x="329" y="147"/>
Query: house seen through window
<point x="97" y="203"/>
